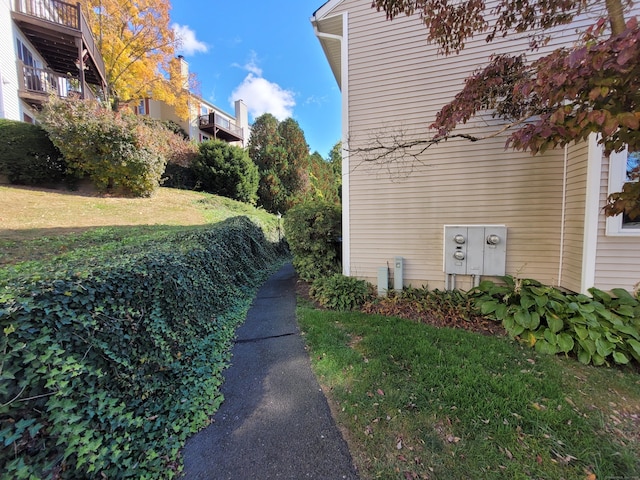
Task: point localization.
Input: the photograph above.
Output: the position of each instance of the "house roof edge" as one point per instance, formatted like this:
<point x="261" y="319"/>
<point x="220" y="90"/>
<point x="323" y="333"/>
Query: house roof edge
<point x="325" y="9"/>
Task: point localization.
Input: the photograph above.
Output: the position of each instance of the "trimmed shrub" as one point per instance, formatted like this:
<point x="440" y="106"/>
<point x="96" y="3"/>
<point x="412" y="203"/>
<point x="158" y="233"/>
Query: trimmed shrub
<point x="118" y="151"/>
<point x="108" y="367"/>
<point x="338" y="292"/>
<point x="27" y="156"/>
<point x="226" y="170"/>
<point x="313" y="231"/>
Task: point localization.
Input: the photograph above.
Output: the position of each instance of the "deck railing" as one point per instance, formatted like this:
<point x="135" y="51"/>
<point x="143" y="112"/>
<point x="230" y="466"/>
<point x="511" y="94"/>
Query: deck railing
<point x="47" y="82"/>
<point x="55" y="11"/>
<point x="219" y="121"/>
<point x="65" y="14"/>
<point x="89" y="42"/>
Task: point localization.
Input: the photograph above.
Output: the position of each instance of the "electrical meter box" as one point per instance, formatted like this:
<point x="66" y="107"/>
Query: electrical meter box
<point x="475" y="249"/>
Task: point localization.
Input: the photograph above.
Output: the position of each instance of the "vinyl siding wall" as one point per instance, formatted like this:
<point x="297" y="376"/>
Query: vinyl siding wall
<point x="618" y="257"/>
<point x="574" y="218"/>
<point x="9" y="103"/>
<point x="396" y="85"/>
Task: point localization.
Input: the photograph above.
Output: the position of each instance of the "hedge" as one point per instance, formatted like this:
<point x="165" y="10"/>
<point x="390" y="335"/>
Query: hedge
<point x="27" y="156"/>
<point x="106" y="370"/>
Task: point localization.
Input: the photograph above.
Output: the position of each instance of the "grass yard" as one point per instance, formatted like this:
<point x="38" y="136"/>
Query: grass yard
<point x="419" y="402"/>
<point x="36" y="224"/>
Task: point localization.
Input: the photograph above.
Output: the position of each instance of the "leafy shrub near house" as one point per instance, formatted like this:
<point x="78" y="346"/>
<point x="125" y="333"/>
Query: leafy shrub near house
<point x="108" y="366"/>
<point x="312" y="229"/>
<point x="172" y="141"/>
<point x="119" y="152"/>
<point x="339" y="292"/>
<point x="442" y="308"/>
<point x="226" y="170"/>
<point x="597" y="329"/>
<point x="27" y="156"/>
<point x="177" y="176"/>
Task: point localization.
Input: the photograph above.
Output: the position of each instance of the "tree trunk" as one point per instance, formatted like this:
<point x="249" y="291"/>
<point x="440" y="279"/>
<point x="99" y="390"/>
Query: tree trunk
<point x="616" y="17"/>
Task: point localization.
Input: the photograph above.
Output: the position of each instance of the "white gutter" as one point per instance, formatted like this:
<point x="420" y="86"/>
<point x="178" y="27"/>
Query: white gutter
<point x="563" y="214"/>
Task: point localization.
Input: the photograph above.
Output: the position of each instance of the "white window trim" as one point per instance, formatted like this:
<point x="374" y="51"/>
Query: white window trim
<point x="617" y="178"/>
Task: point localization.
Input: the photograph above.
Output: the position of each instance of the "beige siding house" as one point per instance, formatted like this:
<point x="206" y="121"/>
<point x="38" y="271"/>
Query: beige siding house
<point x="205" y="120"/>
<point x="46" y="48"/>
<point x="393" y="83"/>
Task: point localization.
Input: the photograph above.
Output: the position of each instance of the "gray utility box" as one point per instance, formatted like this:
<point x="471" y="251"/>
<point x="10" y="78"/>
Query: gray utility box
<point x="475" y="249"/>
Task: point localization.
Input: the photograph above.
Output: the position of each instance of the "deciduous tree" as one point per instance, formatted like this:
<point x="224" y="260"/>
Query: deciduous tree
<point x="138" y="47"/>
<point x="562" y="97"/>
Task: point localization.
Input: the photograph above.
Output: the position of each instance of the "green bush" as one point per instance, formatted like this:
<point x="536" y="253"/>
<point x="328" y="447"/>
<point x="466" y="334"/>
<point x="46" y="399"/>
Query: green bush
<point x="596" y="329"/>
<point x="119" y="152"/>
<point x="177" y="176"/>
<point x="338" y="292"/>
<point x="106" y="369"/>
<point x="226" y="170"/>
<point x="27" y="156"/>
<point x="313" y="230"/>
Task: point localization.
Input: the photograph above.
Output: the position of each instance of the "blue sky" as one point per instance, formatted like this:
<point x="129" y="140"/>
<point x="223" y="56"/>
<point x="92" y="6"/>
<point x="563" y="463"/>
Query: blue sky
<point x="266" y="54"/>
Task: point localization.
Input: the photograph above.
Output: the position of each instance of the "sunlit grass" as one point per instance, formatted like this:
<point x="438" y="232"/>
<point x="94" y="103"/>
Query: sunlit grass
<point x="421" y="402"/>
<point x="38" y="225"/>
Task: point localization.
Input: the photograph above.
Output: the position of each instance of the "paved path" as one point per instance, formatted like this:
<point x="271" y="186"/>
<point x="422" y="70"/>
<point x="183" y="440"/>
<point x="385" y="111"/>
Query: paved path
<point x="275" y="422"/>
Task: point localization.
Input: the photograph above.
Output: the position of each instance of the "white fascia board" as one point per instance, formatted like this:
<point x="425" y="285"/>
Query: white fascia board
<point x="325" y="9"/>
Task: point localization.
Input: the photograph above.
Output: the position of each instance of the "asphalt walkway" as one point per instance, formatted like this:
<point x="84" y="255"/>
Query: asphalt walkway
<point x="275" y="422"/>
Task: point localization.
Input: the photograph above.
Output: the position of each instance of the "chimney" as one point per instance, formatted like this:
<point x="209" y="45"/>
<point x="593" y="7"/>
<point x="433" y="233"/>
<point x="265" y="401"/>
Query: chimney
<point x="184" y="72"/>
<point x="242" y="120"/>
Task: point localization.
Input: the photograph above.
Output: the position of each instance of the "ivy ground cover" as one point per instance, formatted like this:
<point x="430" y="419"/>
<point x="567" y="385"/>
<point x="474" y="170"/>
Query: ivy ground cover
<point x="109" y="362"/>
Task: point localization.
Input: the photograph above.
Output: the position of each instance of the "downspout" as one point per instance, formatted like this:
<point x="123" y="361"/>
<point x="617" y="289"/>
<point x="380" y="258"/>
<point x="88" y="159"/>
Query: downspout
<point x="344" y="87"/>
<point x="563" y="213"/>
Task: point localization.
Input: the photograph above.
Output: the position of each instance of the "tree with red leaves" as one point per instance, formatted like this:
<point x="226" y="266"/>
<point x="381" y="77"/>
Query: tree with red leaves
<point x="590" y="87"/>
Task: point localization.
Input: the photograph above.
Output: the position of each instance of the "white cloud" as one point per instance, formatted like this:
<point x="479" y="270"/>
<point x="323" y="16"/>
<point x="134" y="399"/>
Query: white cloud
<point x="251" y="65"/>
<point x="262" y="96"/>
<point x="314" y="99"/>
<point x="186" y="37"/>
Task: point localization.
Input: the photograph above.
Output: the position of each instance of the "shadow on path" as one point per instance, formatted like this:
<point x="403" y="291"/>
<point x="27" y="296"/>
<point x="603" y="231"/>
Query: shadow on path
<point x="275" y="422"/>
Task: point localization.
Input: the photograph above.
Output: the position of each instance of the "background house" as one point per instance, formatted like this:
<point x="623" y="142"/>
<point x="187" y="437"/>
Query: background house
<point x="393" y="83"/>
<point x="46" y="47"/>
<point x="206" y="121"/>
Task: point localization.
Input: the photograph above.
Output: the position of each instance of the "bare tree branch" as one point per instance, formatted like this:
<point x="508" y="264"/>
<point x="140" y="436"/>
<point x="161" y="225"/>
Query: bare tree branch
<point x="385" y="147"/>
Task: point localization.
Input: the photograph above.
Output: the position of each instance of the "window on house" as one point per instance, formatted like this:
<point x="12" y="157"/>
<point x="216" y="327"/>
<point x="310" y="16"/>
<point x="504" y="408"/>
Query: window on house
<point x="204" y="110"/>
<point x="142" y="107"/>
<point x="25" y="55"/>
<point x="621" y="165"/>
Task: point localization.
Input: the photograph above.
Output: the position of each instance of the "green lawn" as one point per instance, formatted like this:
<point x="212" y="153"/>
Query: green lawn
<point x="417" y="402"/>
<point x="40" y="224"/>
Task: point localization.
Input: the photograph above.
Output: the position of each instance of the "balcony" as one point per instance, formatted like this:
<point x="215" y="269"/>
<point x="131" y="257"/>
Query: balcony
<point x="36" y="84"/>
<point x="61" y="35"/>
<point x="220" y="127"/>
